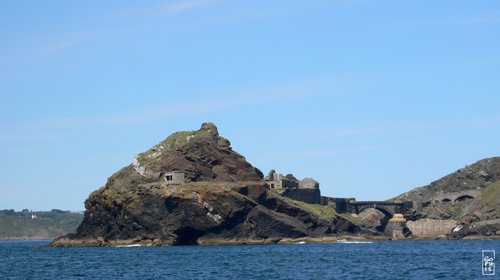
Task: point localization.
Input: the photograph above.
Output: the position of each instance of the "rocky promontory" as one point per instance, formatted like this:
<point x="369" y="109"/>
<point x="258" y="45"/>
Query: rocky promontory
<point x="219" y="198"/>
<point x="464" y="204"/>
<point x="193" y="188"/>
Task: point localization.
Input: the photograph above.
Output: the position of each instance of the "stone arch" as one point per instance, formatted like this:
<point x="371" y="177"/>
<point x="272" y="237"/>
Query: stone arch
<point x="384" y="221"/>
<point x="446" y="200"/>
<point x="388" y="213"/>
<point x="464" y="198"/>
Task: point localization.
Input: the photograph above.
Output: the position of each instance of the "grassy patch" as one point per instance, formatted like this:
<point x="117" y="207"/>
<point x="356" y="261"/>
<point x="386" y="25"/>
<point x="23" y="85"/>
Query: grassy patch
<point x="172" y="143"/>
<point x="324" y="212"/>
<point x="203" y="186"/>
<point x="175" y="140"/>
<point x="491" y="194"/>
<point x="349" y="217"/>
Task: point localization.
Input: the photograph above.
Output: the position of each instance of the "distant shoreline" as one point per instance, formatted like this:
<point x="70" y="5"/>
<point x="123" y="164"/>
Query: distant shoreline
<point x="27" y="239"/>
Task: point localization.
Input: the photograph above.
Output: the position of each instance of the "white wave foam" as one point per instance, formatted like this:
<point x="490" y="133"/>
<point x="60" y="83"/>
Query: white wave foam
<point x="353" y="241"/>
<point x="128" y="246"/>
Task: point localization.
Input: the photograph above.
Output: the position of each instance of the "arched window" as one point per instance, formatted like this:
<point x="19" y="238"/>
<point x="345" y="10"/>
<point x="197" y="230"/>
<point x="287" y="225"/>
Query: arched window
<point x="464" y="198"/>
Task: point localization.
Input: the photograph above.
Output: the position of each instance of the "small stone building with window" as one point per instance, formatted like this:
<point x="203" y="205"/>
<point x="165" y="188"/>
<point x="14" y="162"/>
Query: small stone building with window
<point x="174" y="178"/>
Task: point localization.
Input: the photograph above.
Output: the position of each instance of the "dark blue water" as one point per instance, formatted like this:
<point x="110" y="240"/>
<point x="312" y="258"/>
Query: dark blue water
<point x="378" y="260"/>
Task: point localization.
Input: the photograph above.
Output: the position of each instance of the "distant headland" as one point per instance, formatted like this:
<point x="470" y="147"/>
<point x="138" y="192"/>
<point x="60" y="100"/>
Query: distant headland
<point x="36" y="225"/>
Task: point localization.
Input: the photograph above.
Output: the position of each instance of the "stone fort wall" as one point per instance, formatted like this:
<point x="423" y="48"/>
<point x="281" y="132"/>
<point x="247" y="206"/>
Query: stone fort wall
<point x="312" y="196"/>
<point x="427" y="228"/>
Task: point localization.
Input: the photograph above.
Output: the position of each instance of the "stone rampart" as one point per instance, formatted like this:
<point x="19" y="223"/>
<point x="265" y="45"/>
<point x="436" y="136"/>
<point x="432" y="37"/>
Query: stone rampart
<point x="428" y="228"/>
<point x="312" y="196"/>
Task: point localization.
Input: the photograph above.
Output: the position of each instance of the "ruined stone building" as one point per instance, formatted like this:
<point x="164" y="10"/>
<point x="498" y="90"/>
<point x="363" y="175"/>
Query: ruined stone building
<point x="278" y="181"/>
<point x="306" y="190"/>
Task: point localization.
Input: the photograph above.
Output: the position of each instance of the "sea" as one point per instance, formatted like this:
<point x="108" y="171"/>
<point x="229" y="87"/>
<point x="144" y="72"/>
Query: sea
<point x="440" y="259"/>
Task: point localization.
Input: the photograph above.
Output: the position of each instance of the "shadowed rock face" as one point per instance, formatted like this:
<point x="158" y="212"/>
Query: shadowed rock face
<point x="223" y="200"/>
<point x="184" y="215"/>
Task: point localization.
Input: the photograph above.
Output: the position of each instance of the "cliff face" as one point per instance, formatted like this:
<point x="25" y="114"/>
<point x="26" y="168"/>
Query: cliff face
<point x="199" y="213"/>
<point x="223" y="201"/>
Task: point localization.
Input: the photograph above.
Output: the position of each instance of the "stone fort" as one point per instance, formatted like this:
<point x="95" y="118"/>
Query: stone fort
<point x="307" y="190"/>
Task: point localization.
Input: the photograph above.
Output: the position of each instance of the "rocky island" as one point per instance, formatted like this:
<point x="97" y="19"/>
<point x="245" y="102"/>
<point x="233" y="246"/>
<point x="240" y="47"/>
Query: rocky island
<point x="192" y="188"/>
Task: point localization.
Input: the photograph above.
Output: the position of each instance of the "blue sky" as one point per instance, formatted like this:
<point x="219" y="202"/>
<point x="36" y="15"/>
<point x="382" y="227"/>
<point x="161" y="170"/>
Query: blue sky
<point x="371" y="98"/>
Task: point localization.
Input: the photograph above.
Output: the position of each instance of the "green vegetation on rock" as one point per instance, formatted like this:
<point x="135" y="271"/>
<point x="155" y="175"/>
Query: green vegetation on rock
<point x="322" y="211"/>
<point x="491" y="193"/>
<point x="180" y="139"/>
<point x="173" y="142"/>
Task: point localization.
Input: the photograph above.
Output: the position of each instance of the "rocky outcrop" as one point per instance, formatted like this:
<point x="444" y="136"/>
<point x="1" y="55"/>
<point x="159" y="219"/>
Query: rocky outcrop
<point x="453" y="196"/>
<point x="224" y="200"/>
<point x="485" y="207"/>
<point x="202" y="155"/>
<point x="472" y="177"/>
<point x="481" y="218"/>
<point x="478" y="230"/>
<point x="463" y="204"/>
<point x="154" y="214"/>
